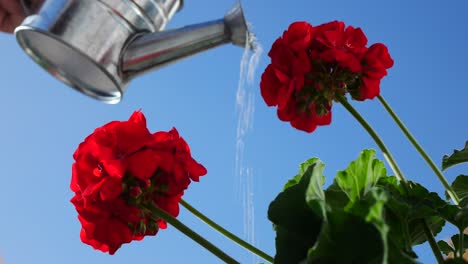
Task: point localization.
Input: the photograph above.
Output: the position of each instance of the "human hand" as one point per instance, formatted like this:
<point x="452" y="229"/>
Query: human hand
<point x="11" y="15"/>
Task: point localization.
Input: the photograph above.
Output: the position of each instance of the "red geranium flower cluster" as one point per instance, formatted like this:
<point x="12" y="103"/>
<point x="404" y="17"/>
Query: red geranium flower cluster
<point x="121" y="170"/>
<point x="311" y="66"/>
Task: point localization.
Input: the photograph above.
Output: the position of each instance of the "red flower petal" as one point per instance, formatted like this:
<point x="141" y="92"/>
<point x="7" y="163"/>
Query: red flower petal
<point x="370" y="88"/>
<point x="345" y="59"/>
<point x="110" y="189"/>
<point x="121" y="167"/>
<point x="377" y="54"/>
<point x="324" y="119"/>
<point x="282" y="56"/>
<point x="115" y="168"/>
<point x="139" y="118"/>
<point x="356" y="40"/>
<point x="305" y="123"/>
<point x="131" y="137"/>
<point x="95" y="244"/>
<point x="194" y="169"/>
<point x="269" y="86"/>
<point x="143" y="164"/>
<point x="298" y="36"/>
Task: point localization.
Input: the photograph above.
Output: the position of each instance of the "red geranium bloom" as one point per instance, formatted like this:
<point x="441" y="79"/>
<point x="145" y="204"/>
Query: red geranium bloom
<point x="121" y="170"/>
<point x="313" y="66"/>
<point x="376" y="61"/>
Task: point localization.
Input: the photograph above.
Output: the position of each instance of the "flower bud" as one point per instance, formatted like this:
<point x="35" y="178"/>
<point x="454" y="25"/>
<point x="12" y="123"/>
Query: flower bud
<point x="135" y="192"/>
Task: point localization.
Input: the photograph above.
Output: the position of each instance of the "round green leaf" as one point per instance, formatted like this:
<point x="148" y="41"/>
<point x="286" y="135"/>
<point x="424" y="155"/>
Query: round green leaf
<point x="297" y="224"/>
<point x="457" y="157"/>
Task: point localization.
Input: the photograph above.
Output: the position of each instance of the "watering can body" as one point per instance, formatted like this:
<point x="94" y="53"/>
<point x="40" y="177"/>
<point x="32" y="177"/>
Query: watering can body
<point x="98" y="46"/>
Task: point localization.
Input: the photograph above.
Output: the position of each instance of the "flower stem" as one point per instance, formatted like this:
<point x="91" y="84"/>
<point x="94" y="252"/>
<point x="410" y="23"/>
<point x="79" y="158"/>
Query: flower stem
<point x="432" y="242"/>
<point x="421" y="151"/>
<point x="191" y="234"/>
<point x="386" y="153"/>
<point x="396" y="169"/>
<point x="226" y="233"/>
<point x="461" y="243"/>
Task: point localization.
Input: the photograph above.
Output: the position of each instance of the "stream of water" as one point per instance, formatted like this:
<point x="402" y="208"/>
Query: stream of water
<point x="245" y="109"/>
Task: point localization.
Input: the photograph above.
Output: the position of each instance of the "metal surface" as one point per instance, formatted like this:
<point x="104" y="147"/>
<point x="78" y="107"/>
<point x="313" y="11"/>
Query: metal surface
<point x="96" y="46"/>
<point x="31" y="6"/>
<point x="152" y="51"/>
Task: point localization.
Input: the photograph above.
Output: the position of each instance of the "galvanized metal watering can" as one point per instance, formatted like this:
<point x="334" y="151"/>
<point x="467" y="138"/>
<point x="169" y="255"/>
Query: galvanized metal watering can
<point x="98" y="46"/>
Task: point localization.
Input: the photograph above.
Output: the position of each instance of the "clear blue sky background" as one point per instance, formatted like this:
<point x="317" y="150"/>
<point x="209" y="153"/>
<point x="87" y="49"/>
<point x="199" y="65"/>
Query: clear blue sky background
<point x="43" y="121"/>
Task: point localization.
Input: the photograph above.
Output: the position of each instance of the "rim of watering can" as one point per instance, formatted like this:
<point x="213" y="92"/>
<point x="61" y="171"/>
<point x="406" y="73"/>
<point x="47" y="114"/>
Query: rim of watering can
<point x="181" y="5"/>
<point x="111" y="97"/>
<point x="25" y="4"/>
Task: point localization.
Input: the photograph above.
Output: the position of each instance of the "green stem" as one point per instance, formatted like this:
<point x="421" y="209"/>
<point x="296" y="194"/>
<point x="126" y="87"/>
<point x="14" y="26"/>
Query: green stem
<point x="386" y="153"/>
<point x="191" y="234"/>
<point x="226" y="233"/>
<point x="396" y="169"/>
<point x="432" y="242"/>
<point x="421" y="151"/>
<point x="461" y="243"/>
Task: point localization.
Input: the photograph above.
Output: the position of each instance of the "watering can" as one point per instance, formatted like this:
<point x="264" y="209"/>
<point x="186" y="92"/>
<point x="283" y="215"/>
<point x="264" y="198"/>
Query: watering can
<point x="98" y="46"/>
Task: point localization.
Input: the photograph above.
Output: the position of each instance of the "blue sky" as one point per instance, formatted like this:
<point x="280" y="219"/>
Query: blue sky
<point x="43" y="121"/>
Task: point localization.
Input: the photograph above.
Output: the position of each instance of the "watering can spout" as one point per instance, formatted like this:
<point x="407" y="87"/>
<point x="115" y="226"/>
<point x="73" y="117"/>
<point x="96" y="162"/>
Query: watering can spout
<point x="152" y="51"/>
<point x="98" y="46"/>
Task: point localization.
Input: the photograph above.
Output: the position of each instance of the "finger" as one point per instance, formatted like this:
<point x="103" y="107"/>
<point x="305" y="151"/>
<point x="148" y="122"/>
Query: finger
<point x="35" y="4"/>
<point x="11" y="6"/>
<point x="9" y="22"/>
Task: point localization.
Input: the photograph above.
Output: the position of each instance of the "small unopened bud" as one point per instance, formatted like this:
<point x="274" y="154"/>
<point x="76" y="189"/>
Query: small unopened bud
<point x="142" y="228"/>
<point x="153" y="228"/>
<point x="319" y="86"/>
<point x="135" y="191"/>
<point x="321" y="110"/>
<point x="162" y="188"/>
<point x="342" y="85"/>
<point x="145" y="183"/>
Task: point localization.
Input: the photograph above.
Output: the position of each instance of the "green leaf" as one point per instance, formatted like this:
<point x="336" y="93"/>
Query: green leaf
<point x="362" y="209"/>
<point x="460" y="186"/>
<point x="297" y="224"/>
<point x="424" y="204"/>
<point x="335" y="196"/>
<point x="290" y="246"/>
<point x="412" y="205"/>
<point x="458" y="215"/>
<point x="455" y="215"/>
<point x="399" y="256"/>
<point x="457" y="157"/>
<point x="361" y="175"/>
<point x="302" y="169"/>
<point x="346" y="238"/>
<point x="445" y="247"/>
<point x="455" y="261"/>
<point x="314" y="195"/>
<point x="371" y="209"/>
<point x="416" y="231"/>
<point x="406" y="207"/>
<point x="455" y="241"/>
<point x="452" y="247"/>
<point x="395" y="249"/>
<point x="354" y="192"/>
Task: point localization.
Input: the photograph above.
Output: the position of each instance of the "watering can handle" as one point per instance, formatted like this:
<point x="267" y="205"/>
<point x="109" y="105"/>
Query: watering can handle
<point x="31" y="7"/>
<point x="25" y="4"/>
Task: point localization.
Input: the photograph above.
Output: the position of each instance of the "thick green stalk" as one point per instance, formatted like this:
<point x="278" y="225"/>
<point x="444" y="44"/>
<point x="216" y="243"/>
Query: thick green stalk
<point x="421" y="151"/>
<point x="461" y="244"/>
<point x="394" y="166"/>
<point x="157" y="212"/>
<point x="430" y="237"/>
<point x="386" y="153"/>
<point x="226" y="233"/>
